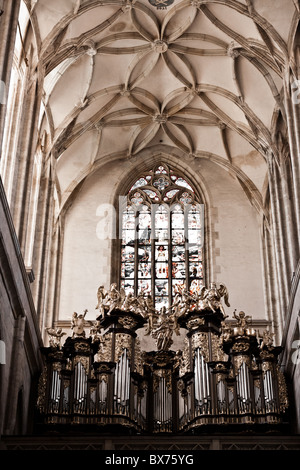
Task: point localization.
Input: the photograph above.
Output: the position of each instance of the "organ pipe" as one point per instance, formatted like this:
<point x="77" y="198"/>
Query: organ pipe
<point x="221" y="377"/>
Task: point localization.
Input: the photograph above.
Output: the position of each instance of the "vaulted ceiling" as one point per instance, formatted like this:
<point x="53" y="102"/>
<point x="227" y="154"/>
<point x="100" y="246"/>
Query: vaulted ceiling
<point x="199" y="77"/>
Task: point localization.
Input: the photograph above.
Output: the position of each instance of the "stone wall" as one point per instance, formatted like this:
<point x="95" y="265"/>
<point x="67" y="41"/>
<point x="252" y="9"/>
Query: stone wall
<point x="232" y="232"/>
<point x="21" y="362"/>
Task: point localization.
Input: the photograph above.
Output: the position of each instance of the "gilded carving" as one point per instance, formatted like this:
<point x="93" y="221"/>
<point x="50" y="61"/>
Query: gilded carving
<point x="200" y="340"/>
<point x="223" y="346"/>
<point x="82" y="348"/>
<point x="240" y="347"/>
<point x="55" y="336"/>
<point x="283" y="394"/>
<point x="42" y="385"/>
<point x="84" y="360"/>
<point x="184" y="362"/>
<point x="158" y="375"/>
<point x="127" y="322"/>
<point x="104" y="352"/>
<point x="239" y="360"/>
<point x="77" y="324"/>
<point x="217" y="351"/>
<point x="123" y="341"/>
<point x="103" y="378"/>
<point x="195" y="322"/>
<point x="138" y="364"/>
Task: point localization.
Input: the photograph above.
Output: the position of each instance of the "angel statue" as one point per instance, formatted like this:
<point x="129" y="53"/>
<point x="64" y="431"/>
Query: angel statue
<point x="182" y="302"/>
<point x="212" y="297"/>
<point x="101" y="296"/>
<point x="267" y="339"/>
<point x="129" y="302"/>
<point x="95" y="329"/>
<point x="242" y="319"/>
<point x="77" y="324"/>
<point x="226" y="330"/>
<point x="115" y="298"/>
<point x="55" y="336"/>
<point x="164" y="329"/>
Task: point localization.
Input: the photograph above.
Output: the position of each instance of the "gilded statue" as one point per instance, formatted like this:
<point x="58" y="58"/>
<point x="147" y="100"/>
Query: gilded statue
<point x="55" y="336"/>
<point x="128" y="303"/>
<point x="267" y="339"/>
<point x="243" y="320"/>
<point x="77" y="324"/>
<point x="113" y="298"/>
<point x="101" y="296"/>
<point x="95" y="330"/>
<point x="212" y="297"/>
<point x="226" y="330"/>
<point x="164" y="329"/>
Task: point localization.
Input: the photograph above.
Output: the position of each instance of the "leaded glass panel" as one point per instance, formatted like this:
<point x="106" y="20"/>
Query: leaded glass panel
<point x="161" y="237"/>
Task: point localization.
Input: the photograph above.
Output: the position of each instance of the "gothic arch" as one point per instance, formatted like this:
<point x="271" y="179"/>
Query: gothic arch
<point x="201" y="193"/>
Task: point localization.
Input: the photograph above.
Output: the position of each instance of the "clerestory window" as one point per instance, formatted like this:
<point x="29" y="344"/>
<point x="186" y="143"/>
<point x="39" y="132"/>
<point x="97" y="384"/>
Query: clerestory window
<point x="162" y="237"/>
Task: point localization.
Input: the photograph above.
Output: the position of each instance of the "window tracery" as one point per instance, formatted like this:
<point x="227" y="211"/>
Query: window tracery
<point x="161" y="237"/>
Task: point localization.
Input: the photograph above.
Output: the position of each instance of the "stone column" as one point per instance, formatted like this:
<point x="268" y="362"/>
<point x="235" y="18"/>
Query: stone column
<point x="8" y="26"/>
<point x="15" y="376"/>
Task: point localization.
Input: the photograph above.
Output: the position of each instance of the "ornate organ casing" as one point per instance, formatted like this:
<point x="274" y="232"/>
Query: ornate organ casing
<point x="224" y="375"/>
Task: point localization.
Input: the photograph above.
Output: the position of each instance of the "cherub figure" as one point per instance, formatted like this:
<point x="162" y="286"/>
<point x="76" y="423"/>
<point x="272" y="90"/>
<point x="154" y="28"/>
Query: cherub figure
<point x="77" y="324"/>
<point x="164" y="331"/>
<point x="129" y="302"/>
<point x="55" y="336"/>
<point x="267" y="339"/>
<point x="152" y="316"/>
<point x="114" y="298"/>
<point x="140" y="304"/>
<point x="213" y="297"/>
<point x="95" y="330"/>
<point x="200" y="302"/>
<point x="186" y="299"/>
<point x="226" y="331"/>
<point x="242" y="319"/>
<point x="176" y="305"/>
<point x="101" y="296"/>
<point x="149" y="307"/>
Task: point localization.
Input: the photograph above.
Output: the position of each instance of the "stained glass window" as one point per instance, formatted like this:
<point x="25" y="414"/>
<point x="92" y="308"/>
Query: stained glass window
<point x="162" y="237"/>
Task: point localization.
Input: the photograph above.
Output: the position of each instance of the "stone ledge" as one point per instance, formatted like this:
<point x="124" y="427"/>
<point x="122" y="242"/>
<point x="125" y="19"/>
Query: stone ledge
<point x="148" y="443"/>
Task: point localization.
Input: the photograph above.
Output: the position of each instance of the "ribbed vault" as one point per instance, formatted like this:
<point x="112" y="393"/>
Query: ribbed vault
<point x="200" y="76"/>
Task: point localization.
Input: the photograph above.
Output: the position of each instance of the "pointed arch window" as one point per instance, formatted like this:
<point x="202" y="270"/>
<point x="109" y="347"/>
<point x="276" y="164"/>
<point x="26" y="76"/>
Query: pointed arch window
<point x="161" y="237"/>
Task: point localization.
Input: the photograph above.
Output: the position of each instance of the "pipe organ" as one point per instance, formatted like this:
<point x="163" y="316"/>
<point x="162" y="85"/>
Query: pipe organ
<point x="225" y="373"/>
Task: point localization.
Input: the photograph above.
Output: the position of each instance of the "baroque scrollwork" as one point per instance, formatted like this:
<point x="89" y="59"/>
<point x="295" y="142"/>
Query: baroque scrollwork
<point x="200" y="340"/>
<point x="184" y="358"/>
<point x="104" y="353"/>
<point x="123" y="341"/>
<point x="283" y="393"/>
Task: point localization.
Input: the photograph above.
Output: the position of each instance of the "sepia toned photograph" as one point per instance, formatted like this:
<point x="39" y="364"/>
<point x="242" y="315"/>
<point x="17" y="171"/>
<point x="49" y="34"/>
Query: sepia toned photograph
<point x="150" y="229"/>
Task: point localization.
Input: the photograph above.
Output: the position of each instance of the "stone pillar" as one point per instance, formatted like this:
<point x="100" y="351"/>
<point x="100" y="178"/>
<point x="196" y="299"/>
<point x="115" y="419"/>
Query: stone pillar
<point x="8" y="27"/>
<point x="15" y="376"/>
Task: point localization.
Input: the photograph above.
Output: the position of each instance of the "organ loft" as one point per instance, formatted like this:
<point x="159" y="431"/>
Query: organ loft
<point x="150" y="225"/>
<point x="226" y="373"/>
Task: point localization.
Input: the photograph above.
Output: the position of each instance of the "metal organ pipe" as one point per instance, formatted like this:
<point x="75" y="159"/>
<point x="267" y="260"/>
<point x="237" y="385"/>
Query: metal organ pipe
<point x="55" y="389"/>
<point x="202" y="387"/>
<point x="80" y="388"/>
<point x="122" y="381"/>
<point x="268" y="388"/>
